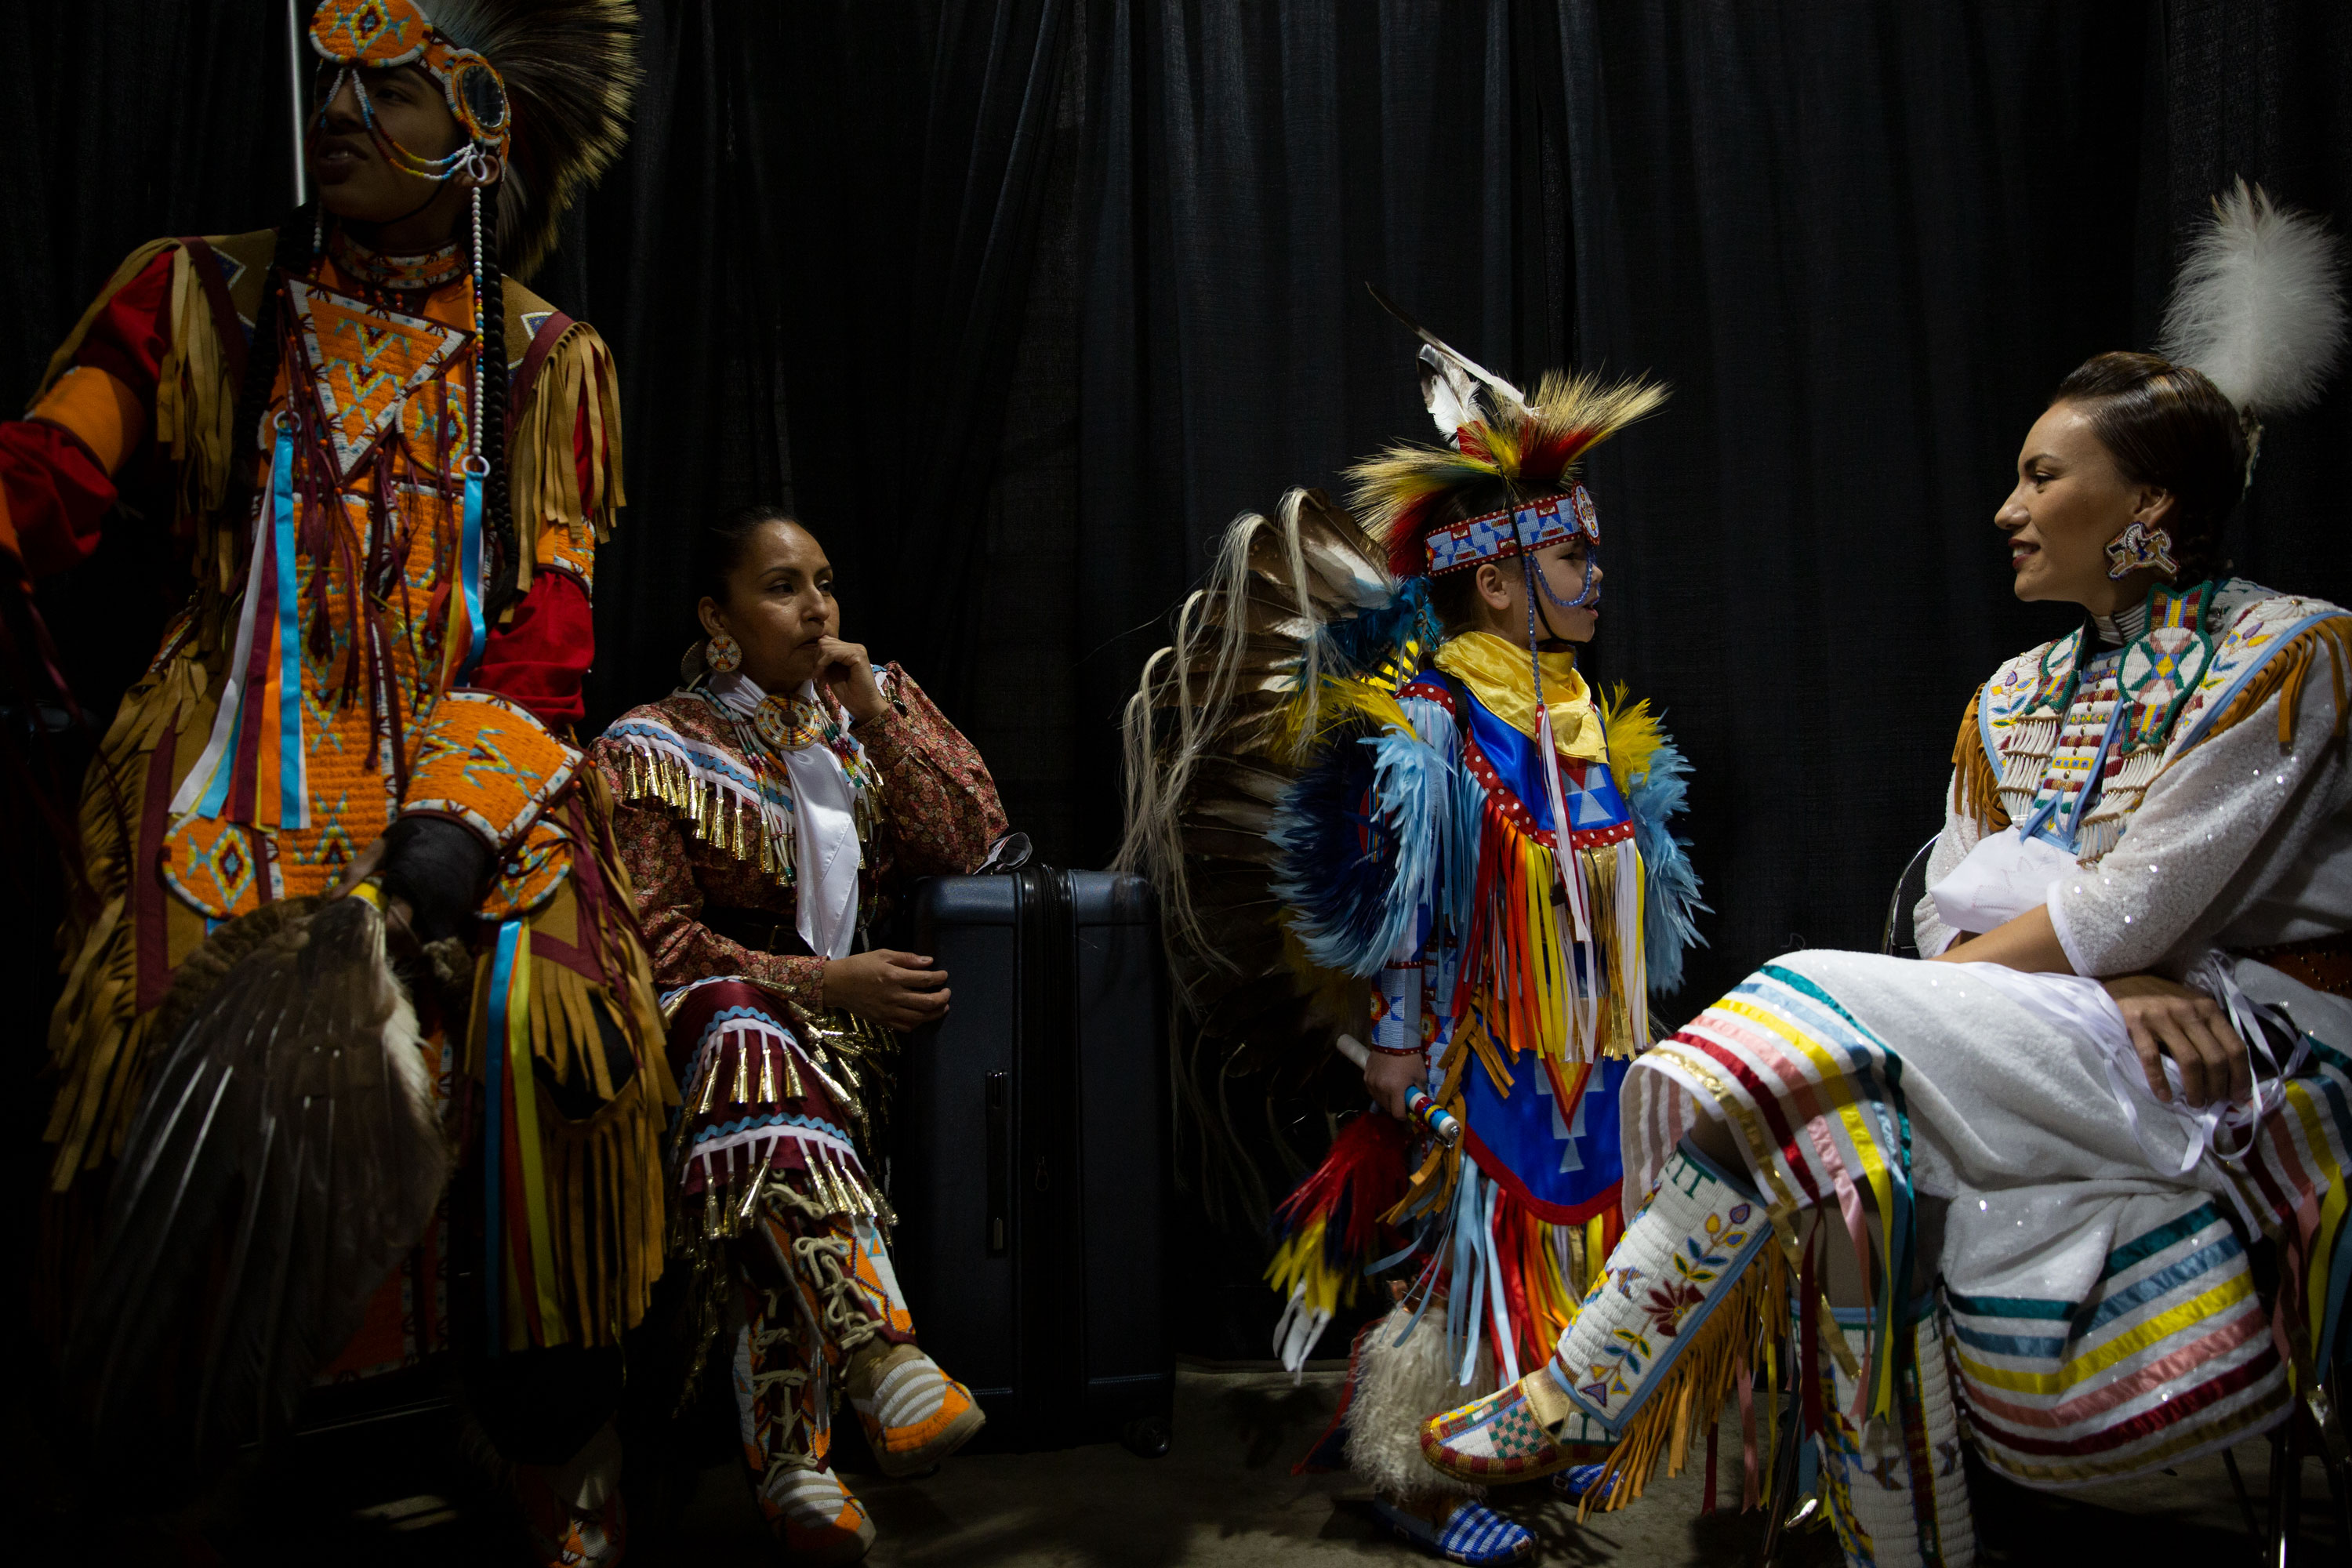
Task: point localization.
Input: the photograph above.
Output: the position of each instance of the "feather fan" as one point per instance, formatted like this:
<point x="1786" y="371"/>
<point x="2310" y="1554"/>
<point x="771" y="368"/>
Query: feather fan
<point x="288" y="1147"/>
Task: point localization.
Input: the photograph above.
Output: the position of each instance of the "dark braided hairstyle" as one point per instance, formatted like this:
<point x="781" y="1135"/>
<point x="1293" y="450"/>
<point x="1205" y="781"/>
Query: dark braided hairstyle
<point x="247" y="442"/>
<point x="498" y="508"/>
<point x="2168" y="424"/>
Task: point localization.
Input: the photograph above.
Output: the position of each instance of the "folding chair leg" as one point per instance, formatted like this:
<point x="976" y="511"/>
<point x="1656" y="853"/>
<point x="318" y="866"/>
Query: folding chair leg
<point x="2245" y="1501"/>
<point x="2339" y="1491"/>
<point x="2286" y="1486"/>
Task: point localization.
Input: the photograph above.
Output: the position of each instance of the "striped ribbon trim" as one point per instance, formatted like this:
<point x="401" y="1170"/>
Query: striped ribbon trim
<point x="2170" y="1354"/>
<point x="242" y="774"/>
<point x="1779" y="1046"/>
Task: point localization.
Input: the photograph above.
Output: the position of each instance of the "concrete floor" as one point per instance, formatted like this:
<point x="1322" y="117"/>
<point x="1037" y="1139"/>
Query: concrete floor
<point x="1222" y="1496"/>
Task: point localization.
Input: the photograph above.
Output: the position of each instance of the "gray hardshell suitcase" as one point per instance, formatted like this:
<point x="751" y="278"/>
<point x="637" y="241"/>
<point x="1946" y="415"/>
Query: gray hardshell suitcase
<point x="1029" y="1158"/>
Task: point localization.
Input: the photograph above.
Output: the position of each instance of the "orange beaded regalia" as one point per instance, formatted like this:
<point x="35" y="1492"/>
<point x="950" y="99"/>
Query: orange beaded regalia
<point x="345" y="660"/>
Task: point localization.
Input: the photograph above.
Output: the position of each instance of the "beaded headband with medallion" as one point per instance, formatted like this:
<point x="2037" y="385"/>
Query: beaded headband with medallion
<point x="357" y="36"/>
<point x="1498" y="535"/>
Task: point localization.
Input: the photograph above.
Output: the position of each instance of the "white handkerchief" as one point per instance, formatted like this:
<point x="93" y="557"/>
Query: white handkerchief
<point x="824" y="832"/>
<point x="2003" y="876"/>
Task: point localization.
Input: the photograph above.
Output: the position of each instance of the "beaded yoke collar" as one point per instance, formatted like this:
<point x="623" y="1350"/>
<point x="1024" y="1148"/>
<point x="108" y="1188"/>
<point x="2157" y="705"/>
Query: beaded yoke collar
<point x="407" y="273"/>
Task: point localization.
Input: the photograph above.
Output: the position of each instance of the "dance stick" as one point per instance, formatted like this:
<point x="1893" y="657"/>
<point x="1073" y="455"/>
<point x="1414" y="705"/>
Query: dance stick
<point x="1440" y="1122"/>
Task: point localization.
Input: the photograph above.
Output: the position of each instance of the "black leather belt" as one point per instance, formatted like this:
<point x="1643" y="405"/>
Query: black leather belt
<point x="761" y="930"/>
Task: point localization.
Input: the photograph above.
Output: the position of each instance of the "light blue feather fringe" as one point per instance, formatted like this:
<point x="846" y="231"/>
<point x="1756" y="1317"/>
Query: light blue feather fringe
<point x="1670" y="897"/>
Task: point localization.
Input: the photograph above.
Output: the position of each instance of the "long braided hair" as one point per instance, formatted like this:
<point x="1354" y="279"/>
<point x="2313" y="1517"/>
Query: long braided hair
<point x="264" y="353"/>
<point x="501" y="570"/>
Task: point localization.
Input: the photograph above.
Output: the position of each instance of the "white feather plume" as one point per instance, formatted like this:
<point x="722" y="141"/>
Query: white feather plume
<point x="2259" y="304"/>
<point x="1453" y="383"/>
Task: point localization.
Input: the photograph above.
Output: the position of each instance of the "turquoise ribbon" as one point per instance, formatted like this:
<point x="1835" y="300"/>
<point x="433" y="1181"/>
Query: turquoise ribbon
<point x="494" y="1134"/>
<point x="469" y="570"/>
<point x="291" y="781"/>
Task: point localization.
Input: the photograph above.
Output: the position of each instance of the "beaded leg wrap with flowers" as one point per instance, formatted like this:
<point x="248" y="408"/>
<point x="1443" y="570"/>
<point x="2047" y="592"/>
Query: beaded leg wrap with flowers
<point x="1660" y="1336"/>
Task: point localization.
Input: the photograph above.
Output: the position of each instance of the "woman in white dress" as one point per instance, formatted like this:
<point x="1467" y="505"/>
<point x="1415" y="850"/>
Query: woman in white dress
<point x="2127" y="1056"/>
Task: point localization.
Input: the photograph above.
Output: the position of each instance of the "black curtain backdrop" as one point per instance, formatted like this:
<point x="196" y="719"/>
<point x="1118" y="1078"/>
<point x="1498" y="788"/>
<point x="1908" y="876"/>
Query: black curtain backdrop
<point x="1019" y="301"/>
<point x="1863" y="241"/>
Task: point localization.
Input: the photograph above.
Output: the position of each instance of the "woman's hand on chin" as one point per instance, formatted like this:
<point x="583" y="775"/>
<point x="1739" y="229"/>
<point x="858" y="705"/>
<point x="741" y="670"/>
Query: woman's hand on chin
<point x="2169" y="1020"/>
<point x="849" y="673"/>
<point x="899" y="990"/>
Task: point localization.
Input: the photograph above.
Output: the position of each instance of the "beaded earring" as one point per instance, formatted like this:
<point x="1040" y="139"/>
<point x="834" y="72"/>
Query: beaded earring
<point x="2139" y="545"/>
<point x="722" y="654"/>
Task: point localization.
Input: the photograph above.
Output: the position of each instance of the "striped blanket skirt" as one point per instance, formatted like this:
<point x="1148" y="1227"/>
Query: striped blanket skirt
<point x="2099" y="1314"/>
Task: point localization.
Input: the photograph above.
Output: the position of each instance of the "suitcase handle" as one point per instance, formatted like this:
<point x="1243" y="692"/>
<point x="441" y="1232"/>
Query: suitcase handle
<point x="1007" y="855"/>
<point x="997" y="1113"/>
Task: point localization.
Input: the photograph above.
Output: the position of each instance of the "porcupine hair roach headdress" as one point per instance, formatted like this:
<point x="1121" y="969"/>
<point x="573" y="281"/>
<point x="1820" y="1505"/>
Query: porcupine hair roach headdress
<point x="1409" y="497"/>
<point x="541" y="86"/>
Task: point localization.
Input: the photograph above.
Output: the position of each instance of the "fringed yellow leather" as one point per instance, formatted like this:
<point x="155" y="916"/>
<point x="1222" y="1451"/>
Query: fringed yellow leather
<point x="98" y="1039"/>
<point x="2283" y="674"/>
<point x="61" y="360"/>
<point x="602" y="1175"/>
<point x="557" y="522"/>
<point x="195" y="397"/>
<point x="1976" y="786"/>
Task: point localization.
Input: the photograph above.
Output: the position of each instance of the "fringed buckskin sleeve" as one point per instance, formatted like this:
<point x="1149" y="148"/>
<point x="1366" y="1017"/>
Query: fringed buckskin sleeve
<point x="564" y="472"/>
<point x="90" y="417"/>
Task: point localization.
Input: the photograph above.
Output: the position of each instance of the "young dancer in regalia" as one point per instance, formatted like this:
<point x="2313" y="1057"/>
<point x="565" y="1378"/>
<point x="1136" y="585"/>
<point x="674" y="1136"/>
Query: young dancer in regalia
<point x="2126" y="1060"/>
<point x="387" y="466"/>
<point x="773" y="804"/>
<point x="1476" y="843"/>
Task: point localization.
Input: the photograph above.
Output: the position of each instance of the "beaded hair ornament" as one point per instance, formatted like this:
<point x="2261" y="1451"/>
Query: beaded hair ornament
<point x="354" y="37"/>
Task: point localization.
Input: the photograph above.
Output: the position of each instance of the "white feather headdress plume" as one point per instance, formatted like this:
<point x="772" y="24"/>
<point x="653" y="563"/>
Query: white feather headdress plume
<point x="2259" y="304"/>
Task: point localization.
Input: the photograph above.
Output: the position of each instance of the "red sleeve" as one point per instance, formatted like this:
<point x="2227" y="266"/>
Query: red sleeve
<point x="54" y="491"/>
<point x="540" y="658"/>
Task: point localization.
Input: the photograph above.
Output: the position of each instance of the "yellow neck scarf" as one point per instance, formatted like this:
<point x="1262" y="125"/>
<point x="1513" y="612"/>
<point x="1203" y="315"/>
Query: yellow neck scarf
<point x="1497" y="673"/>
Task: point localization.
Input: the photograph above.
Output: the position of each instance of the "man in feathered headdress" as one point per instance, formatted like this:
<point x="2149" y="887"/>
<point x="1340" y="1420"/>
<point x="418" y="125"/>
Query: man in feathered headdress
<point x="389" y="466"/>
<point x="1474" y="851"/>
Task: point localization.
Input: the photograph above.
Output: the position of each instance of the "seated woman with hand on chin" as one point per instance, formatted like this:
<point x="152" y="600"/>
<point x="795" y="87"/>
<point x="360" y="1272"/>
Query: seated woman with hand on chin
<point x="771" y="805"/>
<point x="2137" y="1061"/>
